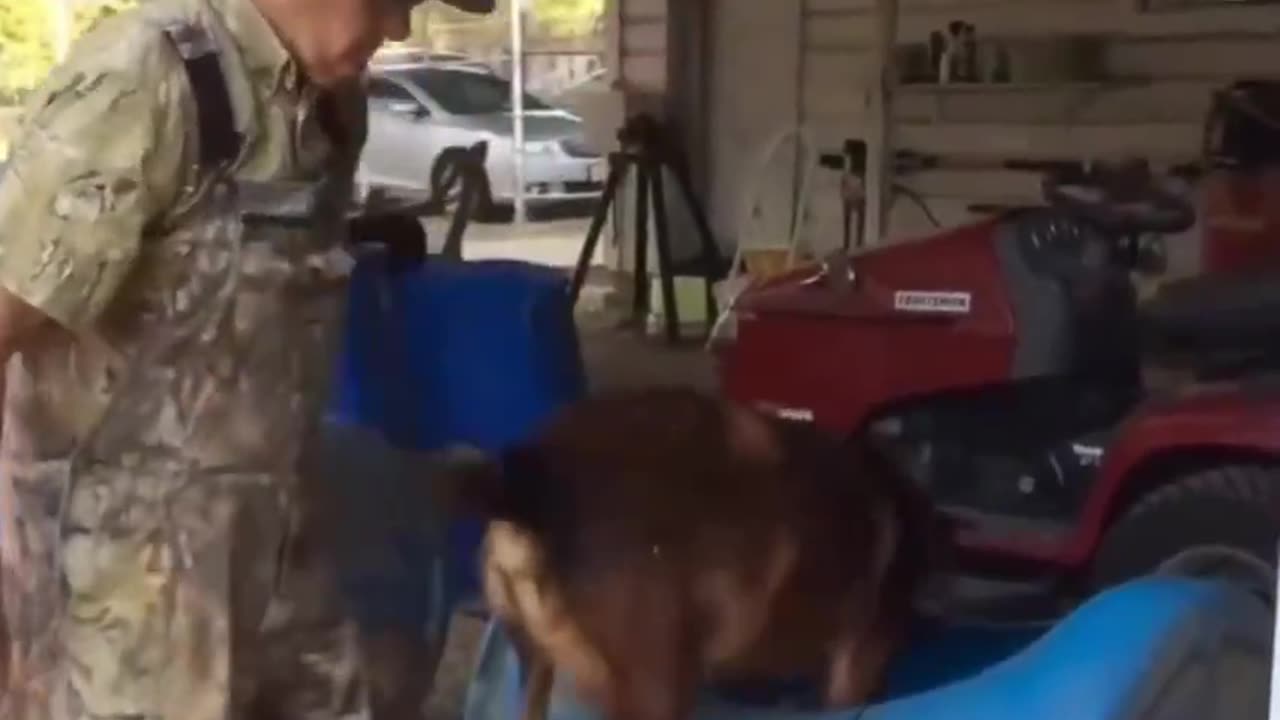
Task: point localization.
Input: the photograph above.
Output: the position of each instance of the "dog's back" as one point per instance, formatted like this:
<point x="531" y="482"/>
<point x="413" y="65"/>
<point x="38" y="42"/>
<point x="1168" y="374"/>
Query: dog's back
<point x="663" y="537"/>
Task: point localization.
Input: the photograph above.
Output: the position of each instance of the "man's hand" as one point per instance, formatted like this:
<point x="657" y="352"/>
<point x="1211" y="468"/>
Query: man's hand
<point x="18" y="323"/>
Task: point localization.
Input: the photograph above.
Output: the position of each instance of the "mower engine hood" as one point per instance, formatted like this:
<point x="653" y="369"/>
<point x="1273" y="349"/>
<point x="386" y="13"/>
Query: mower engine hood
<point x="870" y="283"/>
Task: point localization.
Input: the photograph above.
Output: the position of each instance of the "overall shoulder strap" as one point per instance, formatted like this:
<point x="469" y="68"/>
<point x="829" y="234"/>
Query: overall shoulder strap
<point x="215" y="120"/>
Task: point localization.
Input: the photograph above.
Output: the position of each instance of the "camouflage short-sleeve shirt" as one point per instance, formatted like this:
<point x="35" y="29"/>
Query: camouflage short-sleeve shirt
<point x="104" y="170"/>
<point x="106" y="154"/>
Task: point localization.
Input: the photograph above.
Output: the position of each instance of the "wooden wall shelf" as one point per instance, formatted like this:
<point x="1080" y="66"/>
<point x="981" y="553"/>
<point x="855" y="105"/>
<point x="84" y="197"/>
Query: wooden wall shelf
<point x="959" y="88"/>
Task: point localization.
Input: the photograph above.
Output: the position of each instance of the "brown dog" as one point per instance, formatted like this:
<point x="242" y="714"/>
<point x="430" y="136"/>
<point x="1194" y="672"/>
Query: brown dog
<point x="651" y="541"/>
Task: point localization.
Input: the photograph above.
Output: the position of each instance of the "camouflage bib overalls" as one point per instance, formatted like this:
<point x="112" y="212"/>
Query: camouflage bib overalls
<point x="166" y="573"/>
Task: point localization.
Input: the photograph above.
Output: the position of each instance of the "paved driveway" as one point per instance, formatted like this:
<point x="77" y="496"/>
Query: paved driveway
<point x="553" y="242"/>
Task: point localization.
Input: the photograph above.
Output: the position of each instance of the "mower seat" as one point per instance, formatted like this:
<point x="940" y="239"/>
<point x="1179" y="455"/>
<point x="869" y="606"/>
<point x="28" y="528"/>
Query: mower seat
<point x="1211" y="313"/>
<point x="1149" y="649"/>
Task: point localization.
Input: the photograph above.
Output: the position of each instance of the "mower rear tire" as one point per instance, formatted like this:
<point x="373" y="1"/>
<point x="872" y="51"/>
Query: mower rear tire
<point x="1222" y="522"/>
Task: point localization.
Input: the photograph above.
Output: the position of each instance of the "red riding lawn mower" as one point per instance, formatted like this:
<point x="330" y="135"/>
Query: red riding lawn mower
<point x="1006" y="365"/>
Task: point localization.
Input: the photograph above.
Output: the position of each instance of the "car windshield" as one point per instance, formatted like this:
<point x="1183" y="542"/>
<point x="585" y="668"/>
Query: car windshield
<point x="461" y="92"/>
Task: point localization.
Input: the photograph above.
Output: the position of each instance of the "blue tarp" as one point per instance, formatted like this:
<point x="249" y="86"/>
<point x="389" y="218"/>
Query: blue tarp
<point x="1156" y="647"/>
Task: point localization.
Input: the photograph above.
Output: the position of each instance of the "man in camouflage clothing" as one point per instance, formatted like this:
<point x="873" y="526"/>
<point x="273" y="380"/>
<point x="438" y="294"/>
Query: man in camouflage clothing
<point x="171" y="277"/>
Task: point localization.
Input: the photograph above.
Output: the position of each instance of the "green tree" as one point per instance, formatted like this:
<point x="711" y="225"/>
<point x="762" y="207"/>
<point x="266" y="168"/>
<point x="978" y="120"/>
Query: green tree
<point x="89" y="13"/>
<point x="26" y="39"/>
<point x="26" y="48"/>
<point x="566" y="18"/>
<point x="440" y="26"/>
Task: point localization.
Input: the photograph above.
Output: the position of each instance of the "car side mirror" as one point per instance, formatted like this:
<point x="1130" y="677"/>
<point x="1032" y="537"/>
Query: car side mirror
<point x="408" y="108"/>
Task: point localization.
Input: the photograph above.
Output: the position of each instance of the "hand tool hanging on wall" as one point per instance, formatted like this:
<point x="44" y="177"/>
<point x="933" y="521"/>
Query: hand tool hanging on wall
<point x="1240" y="179"/>
<point x="851" y="161"/>
<point x="852" y="164"/>
<point x="646" y="150"/>
<point x="953" y="53"/>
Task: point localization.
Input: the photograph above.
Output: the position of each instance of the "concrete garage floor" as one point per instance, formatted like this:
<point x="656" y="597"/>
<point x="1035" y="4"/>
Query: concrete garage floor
<point x="449" y="694"/>
<point x="613" y="357"/>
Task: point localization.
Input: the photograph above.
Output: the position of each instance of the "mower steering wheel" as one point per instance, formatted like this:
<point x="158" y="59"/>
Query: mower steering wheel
<point x="1120" y="201"/>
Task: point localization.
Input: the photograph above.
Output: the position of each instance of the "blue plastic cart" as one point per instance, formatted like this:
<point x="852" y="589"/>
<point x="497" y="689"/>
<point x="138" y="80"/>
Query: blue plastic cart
<point x="477" y="353"/>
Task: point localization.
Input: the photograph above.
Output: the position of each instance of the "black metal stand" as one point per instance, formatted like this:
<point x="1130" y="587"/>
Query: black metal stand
<point x="470" y="175"/>
<point x="393" y="218"/>
<point x="645" y="151"/>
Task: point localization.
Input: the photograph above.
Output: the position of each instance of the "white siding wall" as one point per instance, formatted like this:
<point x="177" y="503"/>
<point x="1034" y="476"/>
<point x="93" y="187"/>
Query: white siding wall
<point x="780" y="62"/>
<point x="639" y="43"/>
<point x="637" y="62"/>
<point x="755" y="92"/>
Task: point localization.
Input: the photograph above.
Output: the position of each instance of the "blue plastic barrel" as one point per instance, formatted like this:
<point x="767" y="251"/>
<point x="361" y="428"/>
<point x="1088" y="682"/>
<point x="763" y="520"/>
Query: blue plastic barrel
<point x="479" y="353"/>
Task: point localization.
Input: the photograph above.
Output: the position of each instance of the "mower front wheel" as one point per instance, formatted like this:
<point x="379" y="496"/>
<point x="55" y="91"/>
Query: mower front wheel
<point x="1222" y="523"/>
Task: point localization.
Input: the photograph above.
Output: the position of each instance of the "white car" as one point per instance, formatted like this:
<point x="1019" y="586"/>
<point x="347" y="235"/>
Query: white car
<point x="417" y="111"/>
<point x="394" y="55"/>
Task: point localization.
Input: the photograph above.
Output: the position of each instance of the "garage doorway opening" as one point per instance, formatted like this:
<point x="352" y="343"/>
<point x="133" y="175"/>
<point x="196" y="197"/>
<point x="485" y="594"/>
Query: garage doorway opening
<point x="460" y="70"/>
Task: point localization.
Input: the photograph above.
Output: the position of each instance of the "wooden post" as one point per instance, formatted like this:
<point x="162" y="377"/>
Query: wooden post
<point x="880" y="88"/>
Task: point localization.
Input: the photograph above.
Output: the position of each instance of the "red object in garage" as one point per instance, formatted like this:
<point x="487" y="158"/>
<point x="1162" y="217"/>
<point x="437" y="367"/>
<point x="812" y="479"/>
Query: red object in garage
<point x="1241" y="193"/>
<point x="1241" y="224"/>
<point x="1000" y="365"/>
<point x="895" y="356"/>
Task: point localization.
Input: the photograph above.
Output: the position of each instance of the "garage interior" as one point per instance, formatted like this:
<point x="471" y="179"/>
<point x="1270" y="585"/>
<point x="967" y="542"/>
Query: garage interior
<point x="755" y="94"/>
<point x="881" y="238"/>
<point x="1088" y="80"/>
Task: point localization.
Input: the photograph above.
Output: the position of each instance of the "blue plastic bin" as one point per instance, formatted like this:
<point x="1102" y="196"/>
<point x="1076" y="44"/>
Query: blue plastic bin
<point x="479" y="353"/>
